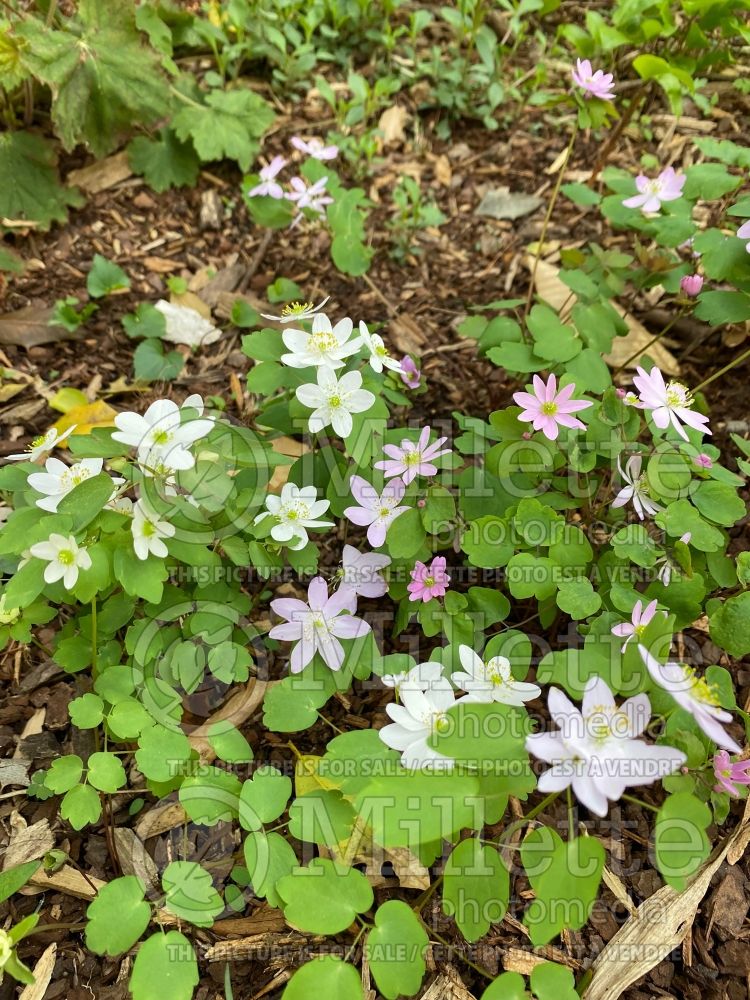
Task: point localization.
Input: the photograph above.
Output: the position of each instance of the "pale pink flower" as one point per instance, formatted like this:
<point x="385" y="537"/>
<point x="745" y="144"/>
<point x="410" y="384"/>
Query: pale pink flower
<point x="428" y="581"/>
<point x="703" y="461"/>
<point x="547" y="409"/>
<point x="691" y="284"/>
<point x="729" y="775"/>
<point x="694" y="694"/>
<point x="377" y="510"/>
<point x="412" y="460"/>
<point x="269" y="187"/>
<point x="313" y="197"/>
<point x="317" y="626"/>
<point x="315" y="147"/>
<point x="637" y="490"/>
<point x="594" y="84"/>
<point x="635" y="628"/>
<point x="362" y="572"/>
<point x="669" y="403"/>
<point x="653" y="191"/>
<point x="744" y="233"/>
<point x="410" y="374"/>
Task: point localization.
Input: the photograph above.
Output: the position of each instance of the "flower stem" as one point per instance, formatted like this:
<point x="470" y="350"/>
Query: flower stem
<point x="723" y="371"/>
<point x="571" y="817"/>
<point x="649" y="343"/>
<point x="93" y="637"/>
<point x="640" y="802"/>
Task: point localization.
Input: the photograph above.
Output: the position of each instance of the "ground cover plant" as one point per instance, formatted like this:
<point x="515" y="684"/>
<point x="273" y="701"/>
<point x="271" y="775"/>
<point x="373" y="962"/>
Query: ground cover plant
<point x="347" y="652"/>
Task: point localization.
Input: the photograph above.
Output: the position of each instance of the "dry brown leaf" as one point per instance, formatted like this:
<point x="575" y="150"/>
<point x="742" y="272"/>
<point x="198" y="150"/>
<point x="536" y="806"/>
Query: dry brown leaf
<point x="407" y="334"/>
<point x="10" y="389"/>
<point x="27" y="843"/>
<point x="443" y="170"/>
<point x="42" y="975"/>
<point x="617" y="887"/>
<point x="290" y="448"/>
<point x="259" y="946"/>
<point x="447" y="986"/>
<point x="30" y="326"/>
<point x="659" y="926"/>
<point x="163" y="817"/>
<point x="101" y="175"/>
<point x="550" y="288"/>
<point x="391" y="125"/>
<point x="134" y="858"/>
<point x="189" y="300"/>
<point x="265" y="918"/>
<point x="162" y="265"/>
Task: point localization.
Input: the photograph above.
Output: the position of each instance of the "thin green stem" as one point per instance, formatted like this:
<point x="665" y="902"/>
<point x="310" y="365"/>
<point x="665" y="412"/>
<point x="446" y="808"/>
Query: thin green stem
<point x="93" y="637"/>
<point x="571" y="816"/>
<point x="722" y="371"/>
<point x="640" y="802"/>
<point x="525" y="820"/>
<point x="354" y="944"/>
<point x="653" y="340"/>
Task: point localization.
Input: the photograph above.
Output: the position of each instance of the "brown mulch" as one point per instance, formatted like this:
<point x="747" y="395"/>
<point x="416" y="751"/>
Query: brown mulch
<point x="467" y="262"/>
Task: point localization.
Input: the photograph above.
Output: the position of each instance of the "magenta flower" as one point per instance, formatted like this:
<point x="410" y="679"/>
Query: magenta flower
<point x="744" y="233"/>
<point x="691" y="284"/>
<point x="547" y="409"/>
<point x="410" y="374"/>
<point x="703" y="461"/>
<point x="313" y="197"/>
<point x="317" y="626"/>
<point x="652" y="192"/>
<point x="594" y="84"/>
<point x="268" y="187"/>
<point x="315" y="147"/>
<point x="412" y="460"/>
<point x="635" y="628"/>
<point x="428" y="581"/>
<point x="730" y="775"/>
<point x="377" y="510"/>
<point x="669" y="403"/>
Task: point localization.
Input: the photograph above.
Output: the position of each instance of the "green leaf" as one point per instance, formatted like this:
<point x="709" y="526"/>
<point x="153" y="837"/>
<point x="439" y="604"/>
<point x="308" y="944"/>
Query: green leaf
<point x="229" y="743"/>
<point x="105" y="772"/>
<point x="105" y="277"/>
<point x="719" y="503"/>
<point x="565" y="877"/>
<point x="709" y="181"/>
<point x="581" y="194"/>
<point x="730" y="625"/>
<point x="476" y="885"/>
<point x="578" y="598"/>
<point x="140" y="577"/>
<point x="101" y="81"/>
<point x="164" y="162"/>
<point x="507" y="986"/>
<point x="551" y="981"/>
<point x="165" y="966"/>
<point x="553" y="340"/>
<point x="406" y="534"/>
<point x="348" y="250"/>
<point x="31" y="187"/>
<point x="718" y="308"/>
<point x="146" y="321"/>
<point x="264" y="797"/>
<point x="15" y="878"/>
<point x="64" y="773"/>
<point x="325" y="897"/>
<point x="292" y="705"/>
<point x="269" y="857"/>
<point x="152" y="364"/>
<point x="395" y="950"/>
<point x="87" y="500"/>
<point x="681" y="517"/>
<point x="190" y="893"/>
<point x="228" y="124"/>
<point x="681" y="844"/>
<point x="210" y="796"/>
<point x="487" y="543"/>
<point x="325" y="976"/>
<point x="80" y="806"/>
<point x="117" y="916"/>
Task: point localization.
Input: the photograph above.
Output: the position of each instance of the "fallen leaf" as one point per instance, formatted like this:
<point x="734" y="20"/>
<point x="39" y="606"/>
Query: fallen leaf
<point x="28" y="843"/>
<point x="502" y="203"/>
<point x="42" y="975"/>
<point x="557" y="294"/>
<point x="134" y="858"/>
<point x="290" y="448"/>
<point x="443" y="170"/>
<point x="190" y="300"/>
<point x="162" y="265"/>
<point x="10" y="389"/>
<point x="391" y="125"/>
<point x="101" y="175"/>
<point x="407" y="334"/>
<point x="185" y="325"/>
<point x="30" y="326"/>
<point x="164" y="816"/>
<point x="85" y="418"/>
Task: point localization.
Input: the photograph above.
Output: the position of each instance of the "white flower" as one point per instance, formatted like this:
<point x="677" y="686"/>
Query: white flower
<point x="669" y="403"/>
<point x="694" y="694"/>
<point x="334" y="400"/>
<point x="8" y="616"/>
<point x="296" y="311"/>
<point x="58" y="479"/>
<point x="491" y="681"/>
<point x="361" y="571"/>
<point x="161" y="438"/>
<point x="186" y="326"/>
<point x="315" y="147"/>
<point x="596" y="751"/>
<point x="194" y="402"/>
<point x="65" y="559"/>
<point x="295" y="510"/>
<point x="422" y="713"/>
<point x="315" y="197"/>
<point x="636" y="490"/>
<point x="324" y="345"/>
<point x="41" y="445"/>
<point x="420" y="677"/>
<point x="149" y="531"/>
<point x="379" y="356"/>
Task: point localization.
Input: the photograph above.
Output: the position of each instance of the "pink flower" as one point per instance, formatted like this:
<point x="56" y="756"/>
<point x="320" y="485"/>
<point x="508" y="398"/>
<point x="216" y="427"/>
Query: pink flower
<point x="636" y="626"/>
<point x="547" y="409"/>
<point x="691" y="284"/>
<point x="730" y="775"/>
<point x="362" y="572"/>
<point x="378" y="511"/>
<point x="268" y="187"/>
<point x="412" y="460"/>
<point x="313" y="197"/>
<point x="744" y="233"/>
<point x="703" y="461"/>
<point x="428" y="581"/>
<point x="317" y="626"/>
<point x="669" y="403"/>
<point x="315" y="147"/>
<point x="410" y="374"/>
<point x="651" y="193"/>
<point x="595" y="84"/>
